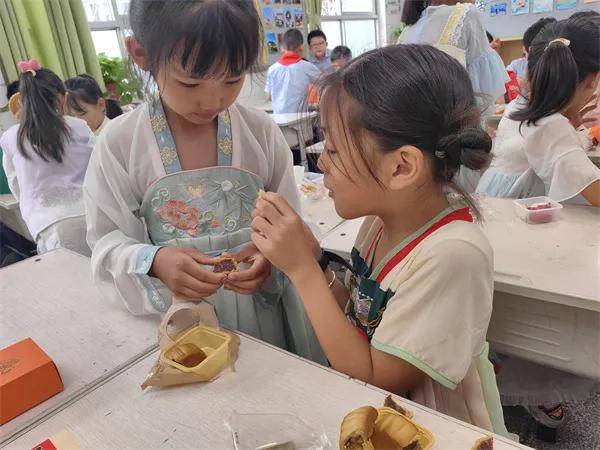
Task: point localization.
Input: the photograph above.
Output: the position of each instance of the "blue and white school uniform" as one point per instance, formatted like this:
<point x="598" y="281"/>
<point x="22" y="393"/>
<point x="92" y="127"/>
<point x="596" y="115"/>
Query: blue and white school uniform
<point x="138" y="199"/>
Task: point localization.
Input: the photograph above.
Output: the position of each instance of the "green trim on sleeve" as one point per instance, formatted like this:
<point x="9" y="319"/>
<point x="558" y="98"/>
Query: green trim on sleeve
<point x="424" y="367"/>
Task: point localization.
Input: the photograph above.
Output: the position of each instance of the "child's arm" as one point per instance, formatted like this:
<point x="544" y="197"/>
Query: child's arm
<point x="592" y="193"/>
<point x="347" y="350"/>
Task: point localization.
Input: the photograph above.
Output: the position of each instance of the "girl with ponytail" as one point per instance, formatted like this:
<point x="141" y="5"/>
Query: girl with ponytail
<point x="564" y="70"/>
<point x="45" y="157"/>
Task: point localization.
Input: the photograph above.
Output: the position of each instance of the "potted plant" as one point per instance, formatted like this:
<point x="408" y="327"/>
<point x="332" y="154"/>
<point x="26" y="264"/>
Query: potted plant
<point x="120" y="83"/>
<point x="397" y="32"/>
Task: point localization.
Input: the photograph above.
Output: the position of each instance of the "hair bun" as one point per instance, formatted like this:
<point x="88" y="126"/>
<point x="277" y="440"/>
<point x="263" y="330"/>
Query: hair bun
<point x="469" y="147"/>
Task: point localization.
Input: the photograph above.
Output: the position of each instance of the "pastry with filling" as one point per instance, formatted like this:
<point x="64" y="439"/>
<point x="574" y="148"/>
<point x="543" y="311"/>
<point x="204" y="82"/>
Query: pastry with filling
<point x="390" y="403"/>
<point x="226" y="265"/>
<point x="357" y="429"/>
<point x="484" y="443"/>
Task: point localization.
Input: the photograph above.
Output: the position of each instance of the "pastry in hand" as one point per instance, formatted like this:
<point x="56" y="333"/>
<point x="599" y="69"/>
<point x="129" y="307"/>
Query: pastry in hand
<point x="226" y="265"/>
<point x="357" y="429"/>
<point x="484" y="443"/>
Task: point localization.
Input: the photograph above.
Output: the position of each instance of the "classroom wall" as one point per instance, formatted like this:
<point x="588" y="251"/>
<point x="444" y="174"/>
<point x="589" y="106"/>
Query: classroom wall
<point x="391" y="19"/>
<point x="514" y="26"/>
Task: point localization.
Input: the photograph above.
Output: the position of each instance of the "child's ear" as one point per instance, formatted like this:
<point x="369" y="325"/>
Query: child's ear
<point x="405" y="165"/>
<point x="137" y="52"/>
<point x="102" y="103"/>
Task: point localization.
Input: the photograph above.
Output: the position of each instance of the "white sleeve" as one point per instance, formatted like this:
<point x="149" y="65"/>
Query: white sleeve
<point x="11" y="175"/>
<point x="281" y="168"/>
<point x="121" y="252"/>
<point x="269" y="82"/>
<point x="556" y="155"/>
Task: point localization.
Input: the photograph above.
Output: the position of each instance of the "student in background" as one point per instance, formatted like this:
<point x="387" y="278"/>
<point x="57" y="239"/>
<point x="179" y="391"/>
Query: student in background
<point x="320" y="55"/>
<point x="14" y="101"/>
<point x="519" y="66"/>
<point x="45" y="159"/>
<point x="85" y="100"/>
<point x="340" y="57"/>
<point x="537" y="149"/>
<point x="290" y="78"/>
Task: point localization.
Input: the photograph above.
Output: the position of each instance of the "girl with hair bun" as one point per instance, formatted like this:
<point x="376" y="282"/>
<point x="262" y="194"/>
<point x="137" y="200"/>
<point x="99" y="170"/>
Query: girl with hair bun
<point x="413" y="312"/>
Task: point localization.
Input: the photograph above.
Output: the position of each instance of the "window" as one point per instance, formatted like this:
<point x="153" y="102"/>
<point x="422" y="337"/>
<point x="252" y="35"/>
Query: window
<point x="108" y="23"/>
<point x="352" y="23"/>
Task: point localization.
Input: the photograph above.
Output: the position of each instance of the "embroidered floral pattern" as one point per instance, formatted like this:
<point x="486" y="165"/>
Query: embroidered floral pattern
<point x="226" y="146"/>
<point x="168" y="156"/>
<point x="196" y="191"/>
<point x="158" y="123"/>
<point x="181" y="216"/>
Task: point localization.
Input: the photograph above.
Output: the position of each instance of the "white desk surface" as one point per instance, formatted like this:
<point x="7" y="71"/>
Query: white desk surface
<point x="51" y="299"/>
<point x="321" y="214"/>
<point x="267" y="380"/>
<point x="557" y="262"/>
<point x="291" y="119"/>
<point x="8" y="202"/>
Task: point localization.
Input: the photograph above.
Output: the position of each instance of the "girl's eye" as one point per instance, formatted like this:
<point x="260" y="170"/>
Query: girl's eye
<point x="233" y="81"/>
<point x="187" y="85"/>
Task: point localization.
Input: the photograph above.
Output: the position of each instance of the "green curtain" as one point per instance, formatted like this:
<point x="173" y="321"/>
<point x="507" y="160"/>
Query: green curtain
<point x="312" y="9"/>
<point x="55" y="32"/>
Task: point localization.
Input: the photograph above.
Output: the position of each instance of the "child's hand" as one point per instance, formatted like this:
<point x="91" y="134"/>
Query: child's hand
<point x="249" y="280"/>
<point x="281" y="234"/>
<point x="180" y="269"/>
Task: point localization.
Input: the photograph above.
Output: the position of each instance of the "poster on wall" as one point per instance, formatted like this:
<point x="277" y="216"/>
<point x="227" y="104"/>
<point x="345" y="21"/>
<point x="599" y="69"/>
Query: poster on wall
<point x="518" y="7"/>
<point x="498" y="9"/>
<point x="268" y="19"/>
<point x="298" y="18"/>
<point x="542" y="6"/>
<point x="271" y="41"/>
<point x="563" y="5"/>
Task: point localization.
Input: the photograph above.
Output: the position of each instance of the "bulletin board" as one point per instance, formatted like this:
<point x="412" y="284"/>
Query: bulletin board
<point x="510" y="18"/>
<point x="277" y="17"/>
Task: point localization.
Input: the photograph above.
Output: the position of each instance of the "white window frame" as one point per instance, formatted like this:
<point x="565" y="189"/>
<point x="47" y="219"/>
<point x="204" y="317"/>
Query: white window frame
<point x="118" y="25"/>
<point x="350" y="16"/>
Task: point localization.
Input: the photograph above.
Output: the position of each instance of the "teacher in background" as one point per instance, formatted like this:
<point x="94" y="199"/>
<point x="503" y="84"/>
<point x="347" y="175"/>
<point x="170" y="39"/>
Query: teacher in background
<point x="457" y="28"/>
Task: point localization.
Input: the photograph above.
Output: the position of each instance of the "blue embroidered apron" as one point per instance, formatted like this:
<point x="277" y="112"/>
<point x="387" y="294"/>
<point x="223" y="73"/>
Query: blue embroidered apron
<point x="210" y="209"/>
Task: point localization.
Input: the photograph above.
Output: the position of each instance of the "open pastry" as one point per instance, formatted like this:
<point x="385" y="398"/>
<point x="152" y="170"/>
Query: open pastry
<point x="484" y="443"/>
<point x="357" y="429"/>
<point x="226" y="264"/>
<point x="390" y="403"/>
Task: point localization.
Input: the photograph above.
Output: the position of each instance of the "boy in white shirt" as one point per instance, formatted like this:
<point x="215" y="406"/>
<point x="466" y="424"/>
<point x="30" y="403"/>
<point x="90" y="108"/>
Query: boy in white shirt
<point x="289" y="79"/>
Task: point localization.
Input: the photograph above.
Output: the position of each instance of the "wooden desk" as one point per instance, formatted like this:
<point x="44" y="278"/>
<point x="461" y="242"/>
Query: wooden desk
<point x="51" y="298"/>
<point x="547" y="288"/>
<point x="119" y="415"/>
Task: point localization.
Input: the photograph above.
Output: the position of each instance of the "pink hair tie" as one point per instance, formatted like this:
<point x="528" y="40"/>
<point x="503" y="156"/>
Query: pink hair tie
<point x="29" y="66"/>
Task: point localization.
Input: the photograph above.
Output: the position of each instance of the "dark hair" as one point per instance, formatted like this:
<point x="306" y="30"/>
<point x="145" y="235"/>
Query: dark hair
<point x="113" y="109"/>
<point x="42" y="121"/>
<point x="208" y="37"/>
<point x="490" y="38"/>
<point x="82" y="88"/>
<point x="341" y="52"/>
<point x="534" y="29"/>
<point x="12" y="89"/>
<point x="409" y="95"/>
<point x="292" y="39"/>
<point x="314" y="34"/>
<point x="556" y="69"/>
<point x="412" y="10"/>
<point x="587" y="13"/>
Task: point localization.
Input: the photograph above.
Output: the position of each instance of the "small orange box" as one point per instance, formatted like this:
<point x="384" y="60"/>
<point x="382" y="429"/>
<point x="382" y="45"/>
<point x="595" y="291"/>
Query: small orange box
<point x="27" y="377"/>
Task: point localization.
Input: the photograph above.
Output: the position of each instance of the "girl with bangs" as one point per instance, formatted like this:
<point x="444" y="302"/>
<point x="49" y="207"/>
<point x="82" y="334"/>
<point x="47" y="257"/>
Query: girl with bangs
<point x="172" y="185"/>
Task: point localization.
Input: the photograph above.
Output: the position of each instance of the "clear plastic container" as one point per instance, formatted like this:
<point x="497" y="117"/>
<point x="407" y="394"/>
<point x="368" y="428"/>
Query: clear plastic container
<point x="536" y="210"/>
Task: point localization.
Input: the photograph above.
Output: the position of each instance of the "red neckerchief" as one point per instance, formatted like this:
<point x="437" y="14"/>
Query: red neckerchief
<point x="289" y="58"/>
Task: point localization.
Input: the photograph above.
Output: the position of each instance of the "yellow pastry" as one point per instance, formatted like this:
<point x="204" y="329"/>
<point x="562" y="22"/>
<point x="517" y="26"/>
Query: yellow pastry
<point x="357" y="429"/>
<point x="484" y="443"/>
<point x="393" y="430"/>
